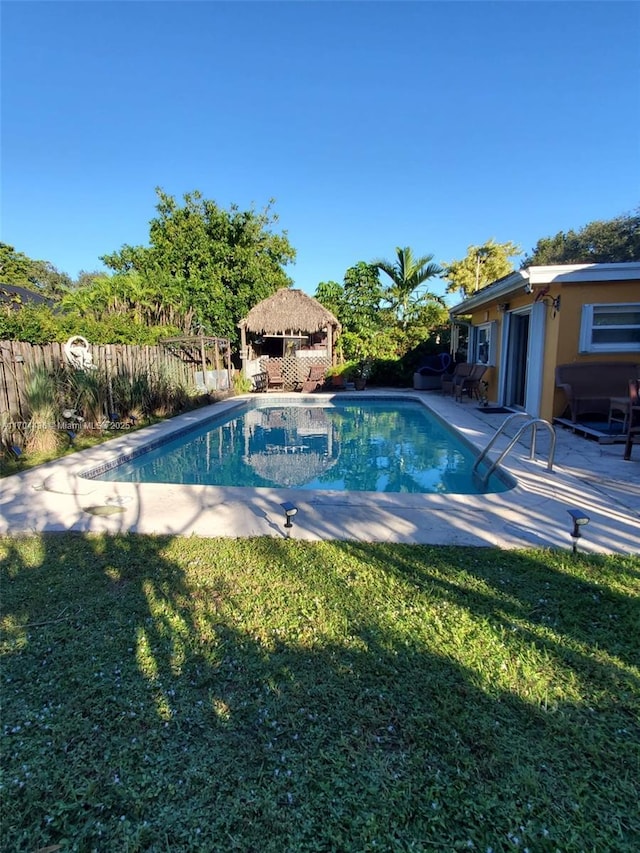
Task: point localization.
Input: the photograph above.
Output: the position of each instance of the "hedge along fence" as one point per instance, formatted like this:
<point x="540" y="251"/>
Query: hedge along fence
<point x="18" y="358"/>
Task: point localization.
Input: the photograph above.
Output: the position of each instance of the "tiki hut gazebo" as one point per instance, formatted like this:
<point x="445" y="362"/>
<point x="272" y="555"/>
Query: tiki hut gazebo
<point x="292" y="327"/>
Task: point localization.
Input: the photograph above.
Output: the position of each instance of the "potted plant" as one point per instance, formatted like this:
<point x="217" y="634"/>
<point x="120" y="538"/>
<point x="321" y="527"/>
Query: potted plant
<point x="361" y="371"/>
<point x="338" y="375"/>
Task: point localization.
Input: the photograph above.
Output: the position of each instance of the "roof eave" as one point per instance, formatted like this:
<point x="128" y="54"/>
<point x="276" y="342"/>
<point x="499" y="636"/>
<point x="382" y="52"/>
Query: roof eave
<point x="499" y="288"/>
<point x="551" y="274"/>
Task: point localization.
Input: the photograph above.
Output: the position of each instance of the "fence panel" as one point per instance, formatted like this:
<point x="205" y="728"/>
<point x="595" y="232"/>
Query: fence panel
<point x="18" y="359"/>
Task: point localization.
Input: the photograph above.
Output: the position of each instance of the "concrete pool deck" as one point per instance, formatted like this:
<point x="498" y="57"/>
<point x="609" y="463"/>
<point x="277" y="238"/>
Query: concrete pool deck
<point x="586" y="475"/>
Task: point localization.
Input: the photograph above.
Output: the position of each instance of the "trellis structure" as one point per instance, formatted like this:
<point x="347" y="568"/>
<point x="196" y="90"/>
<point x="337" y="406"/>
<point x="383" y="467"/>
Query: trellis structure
<point x="212" y="355"/>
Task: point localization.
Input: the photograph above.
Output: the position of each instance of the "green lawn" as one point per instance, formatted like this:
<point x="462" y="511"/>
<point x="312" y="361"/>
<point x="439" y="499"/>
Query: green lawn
<point x="166" y="694"/>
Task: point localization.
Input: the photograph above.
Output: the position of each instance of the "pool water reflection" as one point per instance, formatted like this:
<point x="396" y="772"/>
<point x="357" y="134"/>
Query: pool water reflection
<point x="345" y="444"/>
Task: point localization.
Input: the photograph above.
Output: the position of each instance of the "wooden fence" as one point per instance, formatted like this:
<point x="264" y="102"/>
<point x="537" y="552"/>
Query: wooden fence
<point x="18" y="358"/>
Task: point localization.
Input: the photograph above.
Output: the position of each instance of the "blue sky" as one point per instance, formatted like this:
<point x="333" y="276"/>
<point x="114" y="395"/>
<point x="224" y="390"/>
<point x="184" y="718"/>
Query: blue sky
<point x="372" y="124"/>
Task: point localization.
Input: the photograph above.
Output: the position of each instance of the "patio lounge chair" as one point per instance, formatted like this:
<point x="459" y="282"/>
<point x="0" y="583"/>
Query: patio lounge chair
<point x="314" y="380"/>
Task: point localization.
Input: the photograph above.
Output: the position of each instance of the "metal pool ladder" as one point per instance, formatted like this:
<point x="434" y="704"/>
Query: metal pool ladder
<point x="531" y="422"/>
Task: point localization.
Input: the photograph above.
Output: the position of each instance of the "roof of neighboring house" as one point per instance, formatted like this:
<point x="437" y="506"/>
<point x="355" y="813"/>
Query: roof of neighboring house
<point x="555" y="274"/>
<point x="16" y="297"/>
<point x="288" y="311"/>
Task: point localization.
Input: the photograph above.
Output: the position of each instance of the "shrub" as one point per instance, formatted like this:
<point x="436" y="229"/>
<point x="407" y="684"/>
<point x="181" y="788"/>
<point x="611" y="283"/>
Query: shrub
<point x="42" y="399"/>
<point x="241" y="383"/>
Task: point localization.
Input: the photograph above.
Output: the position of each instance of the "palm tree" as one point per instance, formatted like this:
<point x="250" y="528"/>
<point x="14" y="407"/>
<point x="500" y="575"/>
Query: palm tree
<point x="408" y="275"/>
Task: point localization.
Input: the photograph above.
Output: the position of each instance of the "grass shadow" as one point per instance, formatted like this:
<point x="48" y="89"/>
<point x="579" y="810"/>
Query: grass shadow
<point x="269" y="695"/>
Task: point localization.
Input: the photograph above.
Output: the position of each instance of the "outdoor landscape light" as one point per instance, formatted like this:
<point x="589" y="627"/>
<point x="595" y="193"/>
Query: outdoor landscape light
<point x="289" y="511"/>
<point x="579" y="520"/>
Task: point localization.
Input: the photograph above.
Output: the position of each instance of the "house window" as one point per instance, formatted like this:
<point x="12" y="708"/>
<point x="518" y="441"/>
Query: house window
<point x="610" y="328"/>
<point x="484" y="344"/>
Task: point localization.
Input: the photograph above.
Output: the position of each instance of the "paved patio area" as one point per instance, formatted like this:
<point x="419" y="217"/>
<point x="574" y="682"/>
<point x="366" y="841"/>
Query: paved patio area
<point x="586" y="475"/>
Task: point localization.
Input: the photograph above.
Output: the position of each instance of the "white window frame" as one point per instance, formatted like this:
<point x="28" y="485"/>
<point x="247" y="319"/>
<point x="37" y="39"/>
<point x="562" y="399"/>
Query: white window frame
<point x="587" y="344"/>
<point x="492" y="335"/>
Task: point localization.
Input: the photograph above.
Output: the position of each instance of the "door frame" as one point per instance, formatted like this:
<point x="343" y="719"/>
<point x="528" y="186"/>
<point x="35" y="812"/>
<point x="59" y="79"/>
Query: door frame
<point x="534" y="359"/>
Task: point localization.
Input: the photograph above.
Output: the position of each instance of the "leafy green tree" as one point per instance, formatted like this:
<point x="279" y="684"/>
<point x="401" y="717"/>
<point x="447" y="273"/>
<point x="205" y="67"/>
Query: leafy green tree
<point x="15" y="267"/>
<point x="87" y="278"/>
<point x="363" y="297"/>
<point x="407" y="294"/>
<point x="49" y="280"/>
<point x="357" y="303"/>
<point x="331" y="295"/>
<point x="38" y="324"/>
<point x="217" y="264"/>
<point x="482" y="265"/>
<point x="18" y="269"/>
<point x="600" y="242"/>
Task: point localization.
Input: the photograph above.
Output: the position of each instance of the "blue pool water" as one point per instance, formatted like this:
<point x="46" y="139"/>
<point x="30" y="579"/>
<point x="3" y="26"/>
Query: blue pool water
<point x="345" y="444"/>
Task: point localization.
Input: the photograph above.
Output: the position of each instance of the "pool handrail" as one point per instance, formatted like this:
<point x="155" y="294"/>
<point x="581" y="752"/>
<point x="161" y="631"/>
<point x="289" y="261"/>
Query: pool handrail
<point x="531" y="421"/>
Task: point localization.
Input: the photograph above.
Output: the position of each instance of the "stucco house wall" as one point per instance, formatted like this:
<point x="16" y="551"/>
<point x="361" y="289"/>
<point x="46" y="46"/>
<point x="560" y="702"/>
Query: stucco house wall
<point x="547" y="302"/>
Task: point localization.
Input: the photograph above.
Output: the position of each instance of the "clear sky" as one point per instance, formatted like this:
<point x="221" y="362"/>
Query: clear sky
<point x="372" y="124"/>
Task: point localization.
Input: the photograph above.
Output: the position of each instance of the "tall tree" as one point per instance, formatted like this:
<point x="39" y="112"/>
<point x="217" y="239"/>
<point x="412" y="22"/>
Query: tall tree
<point x="363" y="296"/>
<point x="15" y="267"/>
<point x="357" y="303"/>
<point x="331" y="295"/>
<point x="21" y="270"/>
<point x="407" y="294"/>
<point x="600" y="242"/>
<point x="481" y="265"/>
<point x="222" y="262"/>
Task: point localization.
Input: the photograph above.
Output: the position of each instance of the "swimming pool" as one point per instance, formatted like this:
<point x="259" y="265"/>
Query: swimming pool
<point x="342" y="444"/>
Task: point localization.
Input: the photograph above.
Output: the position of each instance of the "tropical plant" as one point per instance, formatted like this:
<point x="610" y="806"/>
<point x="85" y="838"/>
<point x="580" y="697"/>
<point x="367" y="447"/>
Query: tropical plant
<point x="407" y="293"/>
<point x="86" y="397"/>
<point x="332" y="296"/>
<point x="241" y="383"/>
<point x="41" y="397"/>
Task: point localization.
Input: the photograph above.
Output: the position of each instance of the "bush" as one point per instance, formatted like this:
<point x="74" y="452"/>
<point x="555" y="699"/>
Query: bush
<point x="241" y="383"/>
<point x="42" y="398"/>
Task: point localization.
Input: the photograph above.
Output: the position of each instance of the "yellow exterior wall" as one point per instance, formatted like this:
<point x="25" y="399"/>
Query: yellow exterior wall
<point x="488" y="314"/>
<point x="574" y="296"/>
<point x="562" y="332"/>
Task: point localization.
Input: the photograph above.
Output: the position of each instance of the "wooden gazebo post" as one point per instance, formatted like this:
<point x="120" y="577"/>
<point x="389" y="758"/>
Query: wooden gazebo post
<point x="330" y="343"/>
<point x="243" y="348"/>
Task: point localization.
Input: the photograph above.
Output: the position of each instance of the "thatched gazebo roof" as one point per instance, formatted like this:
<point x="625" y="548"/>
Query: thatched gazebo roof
<point x="290" y="469"/>
<point x="289" y="311"/>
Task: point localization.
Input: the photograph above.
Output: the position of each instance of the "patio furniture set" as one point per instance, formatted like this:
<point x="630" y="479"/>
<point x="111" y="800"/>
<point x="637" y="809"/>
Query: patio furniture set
<point x="607" y="388"/>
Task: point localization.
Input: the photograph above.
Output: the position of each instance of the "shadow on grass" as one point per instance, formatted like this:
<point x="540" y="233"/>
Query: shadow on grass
<point x="264" y="695"/>
<point x="568" y="605"/>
